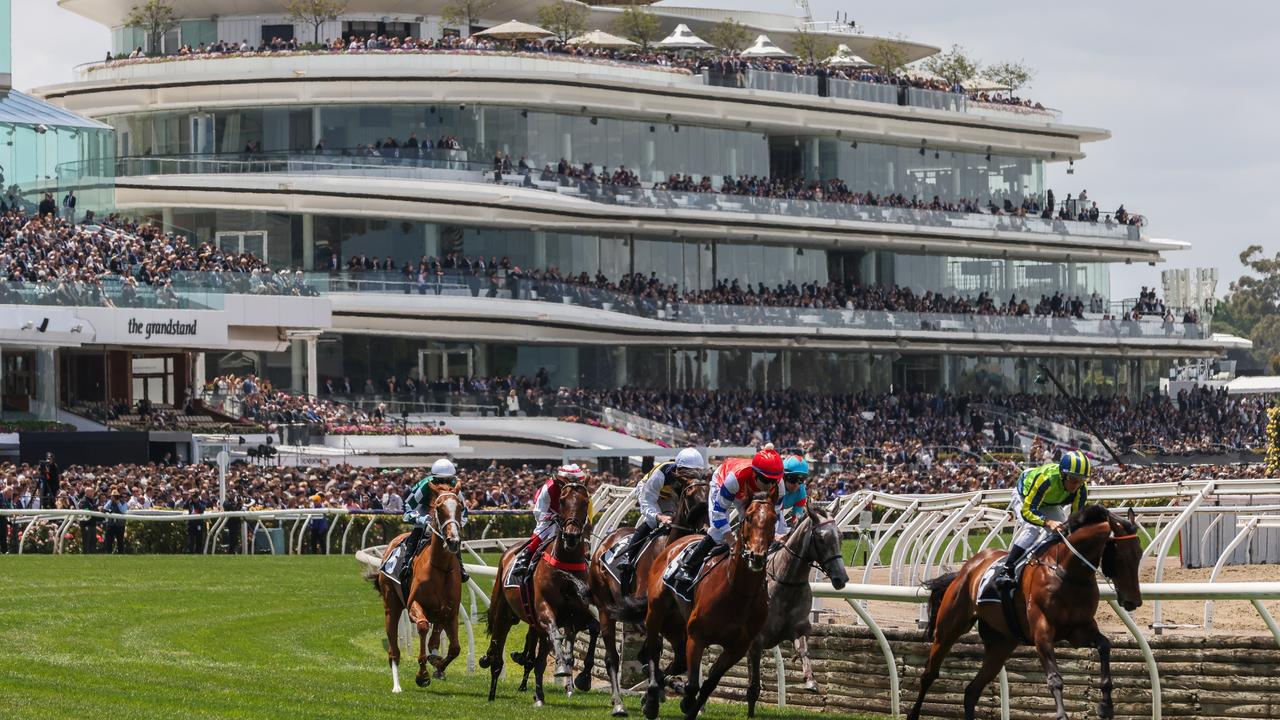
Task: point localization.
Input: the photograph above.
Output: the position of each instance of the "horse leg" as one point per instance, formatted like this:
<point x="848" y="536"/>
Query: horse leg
<point x="583" y="680"/>
<point x="539" y="667"/>
<point x="526" y="658"/>
<point x="433" y="644"/>
<point x="564" y="655"/>
<point x="612" y="662"/>
<point x="753" y="676"/>
<point x="806" y="665"/>
<point x="500" y="624"/>
<point x="998" y="649"/>
<point x="1090" y="635"/>
<point x="651" y="654"/>
<point x="455" y="648"/>
<point x="728" y="658"/>
<point x="693" y="651"/>
<point x="393" y="609"/>
<point x="423" y="678"/>
<point x="1043" y="635"/>
<point x="952" y="621"/>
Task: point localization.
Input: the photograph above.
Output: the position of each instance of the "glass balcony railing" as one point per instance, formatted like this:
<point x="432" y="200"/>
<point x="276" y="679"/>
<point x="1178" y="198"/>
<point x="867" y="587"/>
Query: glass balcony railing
<point x="459" y="169"/>
<point x="513" y="288"/>
<point x="182" y="290"/>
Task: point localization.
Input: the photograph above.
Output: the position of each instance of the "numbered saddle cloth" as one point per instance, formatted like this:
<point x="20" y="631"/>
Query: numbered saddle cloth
<point x="671" y="576"/>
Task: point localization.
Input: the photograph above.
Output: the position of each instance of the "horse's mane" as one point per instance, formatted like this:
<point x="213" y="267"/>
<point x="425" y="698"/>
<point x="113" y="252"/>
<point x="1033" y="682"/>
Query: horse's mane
<point x="1084" y="517"/>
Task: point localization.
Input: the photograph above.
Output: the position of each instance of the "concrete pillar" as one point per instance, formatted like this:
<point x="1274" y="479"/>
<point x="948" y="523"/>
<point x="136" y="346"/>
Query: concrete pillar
<point x="539" y="249"/>
<point x="620" y="367"/>
<point x="815" y="159"/>
<point x="308" y="242"/>
<point x="198" y="377"/>
<point x="431" y="240"/>
<point x="297" y="359"/>
<point x="313" y="382"/>
<point x="166" y="218"/>
<point x="566" y="148"/>
<point x="1010" y="277"/>
<point x="317" y="127"/>
<point x="46" y="383"/>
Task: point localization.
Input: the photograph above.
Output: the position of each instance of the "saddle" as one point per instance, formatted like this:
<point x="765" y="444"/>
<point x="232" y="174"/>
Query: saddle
<point x="614" y="554"/>
<point x="990" y="592"/>
<point x="685" y="588"/>
<point x="524" y="584"/>
<point x="396" y="564"/>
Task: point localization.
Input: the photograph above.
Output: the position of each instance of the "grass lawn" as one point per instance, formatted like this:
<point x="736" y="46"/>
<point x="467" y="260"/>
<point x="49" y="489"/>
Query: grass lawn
<point x="232" y="637"/>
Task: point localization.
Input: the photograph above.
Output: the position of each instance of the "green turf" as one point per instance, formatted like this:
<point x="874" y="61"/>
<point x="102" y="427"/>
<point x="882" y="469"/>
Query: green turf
<point x="230" y="637"/>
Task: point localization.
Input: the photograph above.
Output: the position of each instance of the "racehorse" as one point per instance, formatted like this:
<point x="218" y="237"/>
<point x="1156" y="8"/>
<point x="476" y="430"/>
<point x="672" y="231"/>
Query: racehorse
<point x="434" y="593"/>
<point x="689" y="517"/>
<point x="815" y="542"/>
<point x="1056" y="600"/>
<point x="560" y="597"/>
<point x="728" y="609"/>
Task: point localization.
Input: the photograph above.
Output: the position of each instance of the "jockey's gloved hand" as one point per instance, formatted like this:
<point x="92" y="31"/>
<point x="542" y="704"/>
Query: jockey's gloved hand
<point x="775" y="546"/>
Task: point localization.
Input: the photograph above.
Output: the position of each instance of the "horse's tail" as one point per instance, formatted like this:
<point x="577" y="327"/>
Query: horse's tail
<point x="371" y="574"/>
<point x="633" y="609"/>
<point x="582" y="589"/>
<point x="937" y="587"/>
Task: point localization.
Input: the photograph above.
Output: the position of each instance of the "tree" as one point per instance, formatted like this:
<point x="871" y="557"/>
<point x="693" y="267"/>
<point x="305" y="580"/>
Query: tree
<point x="155" y="18"/>
<point x="729" y="36"/>
<point x="639" y="26"/>
<point x="464" y="13"/>
<point x="888" y="56"/>
<point x="1252" y="307"/>
<point x="811" y="47"/>
<point x="315" y="13"/>
<point x="1010" y="74"/>
<point x="955" y="66"/>
<point x="565" y="19"/>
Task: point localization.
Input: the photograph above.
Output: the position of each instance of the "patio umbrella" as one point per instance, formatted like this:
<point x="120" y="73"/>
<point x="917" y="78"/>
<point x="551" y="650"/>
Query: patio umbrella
<point x="600" y="38"/>
<point x="764" y="47"/>
<point x="682" y="38"/>
<point x="515" y="30"/>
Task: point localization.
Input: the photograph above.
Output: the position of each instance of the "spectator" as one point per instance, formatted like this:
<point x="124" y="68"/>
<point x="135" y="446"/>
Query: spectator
<point x="115" y="525"/>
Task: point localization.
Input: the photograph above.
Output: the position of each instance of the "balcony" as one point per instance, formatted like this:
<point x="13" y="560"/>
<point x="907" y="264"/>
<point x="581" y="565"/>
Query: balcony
<point x="456" y="167"/>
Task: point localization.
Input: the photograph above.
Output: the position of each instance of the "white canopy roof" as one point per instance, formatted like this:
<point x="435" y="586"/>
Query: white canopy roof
<point x="844" y="57"/>
<point x="682" y="38"/>
<point x="1259" y="385"/>
<point x="600" y="38"/>
<point x="764" y="47"/>
<point x="515" y="30"/>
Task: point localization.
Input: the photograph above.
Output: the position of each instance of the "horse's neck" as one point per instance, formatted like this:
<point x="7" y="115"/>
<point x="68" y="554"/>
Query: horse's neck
<point x="741" y="577"/>
<point x="1089" y="543"/>
<point x="789" y="565"/>
<point x="437" y="554"/>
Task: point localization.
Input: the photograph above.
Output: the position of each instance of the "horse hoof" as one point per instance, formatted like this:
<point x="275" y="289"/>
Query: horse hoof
<point x="649" y="708"/>
<point x="811" y="686"/>
<point x="423" y="680"/>
<point x="583" y="681"/>
<point x="517" y="657"/>
<point x="439" y="674"/>
<point x="396" y="690"/>
<point x="564" y="671"/>
<point x="619" y="711"/>
<point x="537" y="703"/>
<point x="483" y="661"/>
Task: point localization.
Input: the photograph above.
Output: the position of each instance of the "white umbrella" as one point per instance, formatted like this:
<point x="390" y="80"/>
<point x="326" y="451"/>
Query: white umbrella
<point x="844" y="57"/>
<point x="764" y="47"/>
<point x="600" y="38"/>
<point x="682" y="38"/>
<point x="515" y="30"/>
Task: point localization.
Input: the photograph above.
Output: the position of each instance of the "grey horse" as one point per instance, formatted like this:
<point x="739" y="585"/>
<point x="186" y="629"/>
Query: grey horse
<point x="815" y="542"/>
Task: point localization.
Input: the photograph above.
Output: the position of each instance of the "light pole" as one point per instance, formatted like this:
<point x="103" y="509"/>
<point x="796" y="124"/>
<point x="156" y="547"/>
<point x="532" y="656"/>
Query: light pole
<point x="1045" y="372"/>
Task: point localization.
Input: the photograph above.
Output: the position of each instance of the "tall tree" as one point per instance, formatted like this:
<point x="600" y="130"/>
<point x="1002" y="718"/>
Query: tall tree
<point x="1010" y="74"/>
<point x="465" y="13"/>
<point x="888" y="56"/>
<point x="729" y="36"/>
<point x="155" y="18"/>
<point x="315" y="13"/>
<point x="639" y="26"/>
<point x="955" y="66"/>
<point x="811" y="47"/>
<point x="565" y="19"/>
<point x="1252" y="307"/>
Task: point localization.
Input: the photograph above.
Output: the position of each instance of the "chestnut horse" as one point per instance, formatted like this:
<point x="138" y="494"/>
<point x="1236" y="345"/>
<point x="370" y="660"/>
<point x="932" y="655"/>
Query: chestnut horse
<point x="561" y="598"/>
<point x="1056" y="601"/>
<point x="689" y="517"/>
<point x="729" y="608"/>
<point x="434" y="593"/>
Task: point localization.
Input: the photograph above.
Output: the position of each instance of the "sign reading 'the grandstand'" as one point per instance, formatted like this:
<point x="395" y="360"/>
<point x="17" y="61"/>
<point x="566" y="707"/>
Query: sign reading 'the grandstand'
<point x="158" y="328"/>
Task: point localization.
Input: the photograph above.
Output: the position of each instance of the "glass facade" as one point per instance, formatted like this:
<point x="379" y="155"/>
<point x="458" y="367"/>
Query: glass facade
<point x="36" y="138"/>
<point x="6" y="44"/>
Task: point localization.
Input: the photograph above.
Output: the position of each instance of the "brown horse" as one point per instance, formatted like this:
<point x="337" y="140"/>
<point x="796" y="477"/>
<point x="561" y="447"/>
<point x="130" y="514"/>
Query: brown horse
<point x="561" y="598"/>
<point x="689" y="517"/>
<point x="1056" y="601"/>
<point x="434" y="593"/>
<point x="729" y="608"/>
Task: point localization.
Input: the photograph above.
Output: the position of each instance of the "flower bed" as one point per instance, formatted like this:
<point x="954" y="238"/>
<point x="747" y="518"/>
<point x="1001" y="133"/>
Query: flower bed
<point x="388" y="429"/>
<point x="20" y="426"/>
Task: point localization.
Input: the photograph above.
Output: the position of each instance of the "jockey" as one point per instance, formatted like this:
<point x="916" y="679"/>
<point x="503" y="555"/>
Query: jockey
<point x="417" y="510"/>
<point x="1041" y="499"/>
<point x="658" y="491"/>
<point x="732" y="485"/>
<point x="795" y="499"/>
<point x="546" y="514"/>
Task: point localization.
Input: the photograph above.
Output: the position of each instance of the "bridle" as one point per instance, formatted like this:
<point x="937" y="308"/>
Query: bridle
<point x="439" y="531"/>
<point x="686" y="491"/>
<point x="566" y="523"/>
<point x="1112" y="539"/>
<point x="807" y="562"/>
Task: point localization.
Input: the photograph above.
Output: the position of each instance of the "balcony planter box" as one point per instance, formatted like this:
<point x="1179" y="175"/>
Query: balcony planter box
<point x="391" y="442"/>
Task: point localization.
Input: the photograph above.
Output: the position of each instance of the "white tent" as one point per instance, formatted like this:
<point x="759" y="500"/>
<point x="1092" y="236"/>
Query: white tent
<point x="515" y="30"/>
<point x="600" y="38"/>
<point x="1254" y="385"/>
<point x="844" y="57"/>
<point x="682" y="38"/>
<point x="764" y="47"/>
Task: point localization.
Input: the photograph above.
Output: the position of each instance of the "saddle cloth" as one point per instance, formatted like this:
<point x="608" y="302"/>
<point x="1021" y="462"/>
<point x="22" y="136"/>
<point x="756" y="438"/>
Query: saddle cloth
<point x="613" y="554"/>
<point x="673" y="569"/>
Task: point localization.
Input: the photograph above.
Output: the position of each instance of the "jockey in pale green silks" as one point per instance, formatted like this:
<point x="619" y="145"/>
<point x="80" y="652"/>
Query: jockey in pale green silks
<point x="1042" y="499"/>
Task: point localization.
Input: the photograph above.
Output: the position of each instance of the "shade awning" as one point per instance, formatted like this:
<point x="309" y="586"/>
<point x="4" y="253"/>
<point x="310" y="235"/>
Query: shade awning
<point x="600" y="38"/>
<point x="764" y="47"/>
<point x="844" y="57"/>
<point x="682" y="38"/>
<point x="515" y="30"/>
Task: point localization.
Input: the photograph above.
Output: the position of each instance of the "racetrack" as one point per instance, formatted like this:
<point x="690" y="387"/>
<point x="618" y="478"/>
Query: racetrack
<point x="232" y="637"/>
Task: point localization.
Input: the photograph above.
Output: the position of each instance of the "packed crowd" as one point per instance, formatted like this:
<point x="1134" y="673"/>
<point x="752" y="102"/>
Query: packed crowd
<point x="260" y="402"/>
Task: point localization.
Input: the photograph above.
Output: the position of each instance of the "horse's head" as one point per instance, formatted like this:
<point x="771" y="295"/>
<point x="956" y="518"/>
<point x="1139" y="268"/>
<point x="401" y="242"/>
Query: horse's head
<point x="691" y="511"/>
<point x="824" y="547"/>
<point x="755" y="534"/>
<point x="1121" y="558"/>
<point x="575" y="514"/>
<point x="447" y="509"/>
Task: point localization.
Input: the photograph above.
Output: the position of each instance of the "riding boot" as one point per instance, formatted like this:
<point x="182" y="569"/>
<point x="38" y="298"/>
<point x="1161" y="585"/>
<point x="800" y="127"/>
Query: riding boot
<point x="1004" y="576"/>
<point x="693" y="561"/>
<point x="409" y="553"/>
<point x="521" y="565"/>
<point x="627" y="563"/>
